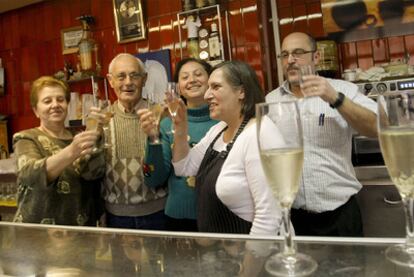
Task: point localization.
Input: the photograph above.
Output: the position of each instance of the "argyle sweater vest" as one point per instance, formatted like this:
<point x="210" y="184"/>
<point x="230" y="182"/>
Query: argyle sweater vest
<point x="124" y="191"/>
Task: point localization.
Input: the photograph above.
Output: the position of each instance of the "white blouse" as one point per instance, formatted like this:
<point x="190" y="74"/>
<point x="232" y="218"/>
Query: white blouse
<point x="241" y="184"/>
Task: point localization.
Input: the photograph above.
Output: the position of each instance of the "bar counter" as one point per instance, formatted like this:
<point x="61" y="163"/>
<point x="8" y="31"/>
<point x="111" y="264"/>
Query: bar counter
<point x="48" y="250"/>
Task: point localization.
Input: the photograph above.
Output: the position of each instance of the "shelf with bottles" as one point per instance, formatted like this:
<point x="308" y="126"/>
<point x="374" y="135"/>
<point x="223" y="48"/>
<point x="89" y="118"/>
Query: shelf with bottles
<point x="206" y="39"/>
<point x="82" y="100"/>
<point x="93" y="78"/>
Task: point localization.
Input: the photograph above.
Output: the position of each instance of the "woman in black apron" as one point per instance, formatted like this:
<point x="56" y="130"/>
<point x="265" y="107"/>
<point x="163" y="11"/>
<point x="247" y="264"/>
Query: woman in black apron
<point x="233" y="92"/>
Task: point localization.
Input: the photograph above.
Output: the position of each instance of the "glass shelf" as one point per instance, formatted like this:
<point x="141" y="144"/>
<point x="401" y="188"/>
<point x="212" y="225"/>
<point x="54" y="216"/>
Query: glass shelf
<point x="40" y="250"/>
<point x="217" y="12"/>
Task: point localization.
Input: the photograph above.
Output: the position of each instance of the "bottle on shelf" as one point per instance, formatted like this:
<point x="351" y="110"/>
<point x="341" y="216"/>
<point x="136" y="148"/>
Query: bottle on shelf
<point x="192" y="24"/>
<point x="214" y="43"/>
<point x="88" y="48"/>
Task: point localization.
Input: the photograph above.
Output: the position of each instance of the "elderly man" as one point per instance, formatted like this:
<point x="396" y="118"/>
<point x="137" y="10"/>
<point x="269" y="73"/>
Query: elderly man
<point x="331" y="112"/>
<point x="128" y="202"/>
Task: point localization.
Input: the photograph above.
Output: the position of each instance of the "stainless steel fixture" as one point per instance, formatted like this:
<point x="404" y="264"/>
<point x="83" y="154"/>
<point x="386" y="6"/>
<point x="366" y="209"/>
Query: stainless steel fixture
<point x="376" y="87"/>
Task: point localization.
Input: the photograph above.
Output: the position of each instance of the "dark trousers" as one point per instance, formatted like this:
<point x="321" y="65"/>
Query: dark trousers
<point x="183" y="225"/>
<point x="344" y="221"/>
<point x="155" y="221"/>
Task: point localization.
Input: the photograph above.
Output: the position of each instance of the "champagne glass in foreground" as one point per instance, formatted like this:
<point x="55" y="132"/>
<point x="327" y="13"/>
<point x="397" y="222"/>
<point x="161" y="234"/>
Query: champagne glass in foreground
<point x="280" y="140"/>
<point x="157" y="110"/>
<point x="396" y="134"/>
<point x="172" y="98"/>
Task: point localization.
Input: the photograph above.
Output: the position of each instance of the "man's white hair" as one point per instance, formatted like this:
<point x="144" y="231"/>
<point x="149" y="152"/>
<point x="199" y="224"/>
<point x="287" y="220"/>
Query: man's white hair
<point x="121" y="55"/>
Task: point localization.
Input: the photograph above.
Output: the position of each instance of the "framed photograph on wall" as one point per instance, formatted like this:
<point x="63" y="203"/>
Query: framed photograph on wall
<point x="70" y="39"/>
<point x="129" y="20"/>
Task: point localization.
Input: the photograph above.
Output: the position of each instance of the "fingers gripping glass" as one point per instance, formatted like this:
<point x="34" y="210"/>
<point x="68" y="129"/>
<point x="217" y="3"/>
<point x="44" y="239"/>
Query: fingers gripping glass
<point x="396" y="134"/>
<point x="280" y="140"/>
<point x="306" y="101"/>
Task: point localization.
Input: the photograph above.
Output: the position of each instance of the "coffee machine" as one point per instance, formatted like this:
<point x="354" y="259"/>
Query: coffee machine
<point x="367" y="151"/>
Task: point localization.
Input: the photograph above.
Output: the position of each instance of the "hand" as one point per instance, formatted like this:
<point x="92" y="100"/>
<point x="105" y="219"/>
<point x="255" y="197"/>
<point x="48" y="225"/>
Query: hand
<point x="147" y="121"/>
<point x="180" y="120"/>
<point x="99" y="114"/>
<point x="314" y="85"/>
<point x="84" y="142"/>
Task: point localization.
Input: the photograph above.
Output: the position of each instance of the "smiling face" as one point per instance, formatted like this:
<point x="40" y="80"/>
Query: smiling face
<point x="297" y="43"/>
<point x="193" y="83"/>
<point x="52" y="106"/>
<point x="225" y="101"/>
<point x="127" y="79"/>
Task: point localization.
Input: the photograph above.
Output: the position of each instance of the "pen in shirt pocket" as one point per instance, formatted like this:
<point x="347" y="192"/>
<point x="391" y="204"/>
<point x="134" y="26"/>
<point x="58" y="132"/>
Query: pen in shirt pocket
<point x="321" y="119"/>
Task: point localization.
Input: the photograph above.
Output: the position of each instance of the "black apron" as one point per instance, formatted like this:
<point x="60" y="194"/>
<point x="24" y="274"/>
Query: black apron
<point x="213" y="216"/>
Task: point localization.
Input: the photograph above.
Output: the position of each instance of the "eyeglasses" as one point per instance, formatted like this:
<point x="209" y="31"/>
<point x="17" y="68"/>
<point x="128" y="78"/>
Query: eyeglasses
<point x="296" y="53"/>
<point x="133" y="76"/>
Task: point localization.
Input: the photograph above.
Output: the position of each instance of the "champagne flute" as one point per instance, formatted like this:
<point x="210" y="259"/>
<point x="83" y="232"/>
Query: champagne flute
<point x="172" y="99"/>
<point x="106" y="109"/>
<point x="91" y="122"/>
<point x="157" y="110"/>
<point x="396" y="135"/>
<point x="280" y="140"/>
<point x="306" y="70"/>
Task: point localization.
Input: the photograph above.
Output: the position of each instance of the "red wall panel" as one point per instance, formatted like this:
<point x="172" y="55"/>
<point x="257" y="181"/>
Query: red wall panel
<point x="30" y="43"/>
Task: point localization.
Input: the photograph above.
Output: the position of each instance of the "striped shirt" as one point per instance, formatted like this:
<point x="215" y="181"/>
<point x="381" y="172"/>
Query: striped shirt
<point x="328" y="177"/>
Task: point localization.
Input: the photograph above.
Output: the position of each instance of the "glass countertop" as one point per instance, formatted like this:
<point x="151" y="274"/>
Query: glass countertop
<point x="49" y="250"/>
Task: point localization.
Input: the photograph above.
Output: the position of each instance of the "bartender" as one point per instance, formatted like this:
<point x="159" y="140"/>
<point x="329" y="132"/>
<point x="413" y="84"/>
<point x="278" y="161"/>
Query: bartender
<point x="326" y="204"/>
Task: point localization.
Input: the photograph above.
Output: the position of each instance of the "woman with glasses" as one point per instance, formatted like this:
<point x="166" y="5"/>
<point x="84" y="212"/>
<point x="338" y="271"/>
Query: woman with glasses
<point x="181" y="208"/>
<point x="58" y="173"/>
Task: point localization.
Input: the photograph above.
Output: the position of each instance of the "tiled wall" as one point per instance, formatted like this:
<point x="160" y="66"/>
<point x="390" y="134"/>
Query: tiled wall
<point x="305" y="15"/>
<point x="30" y="44"/>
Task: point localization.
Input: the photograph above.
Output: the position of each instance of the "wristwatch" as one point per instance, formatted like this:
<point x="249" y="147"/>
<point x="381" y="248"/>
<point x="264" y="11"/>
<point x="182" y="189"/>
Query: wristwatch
<point x="339" y="101"/>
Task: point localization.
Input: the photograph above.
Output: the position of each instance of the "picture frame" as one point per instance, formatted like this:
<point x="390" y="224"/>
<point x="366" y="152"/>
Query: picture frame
<point x="129" y="20"/>
<point x="70" y="38"/>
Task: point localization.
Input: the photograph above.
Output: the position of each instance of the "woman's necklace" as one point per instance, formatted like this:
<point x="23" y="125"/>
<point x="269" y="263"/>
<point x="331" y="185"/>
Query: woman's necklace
<point x="62" y="135"/>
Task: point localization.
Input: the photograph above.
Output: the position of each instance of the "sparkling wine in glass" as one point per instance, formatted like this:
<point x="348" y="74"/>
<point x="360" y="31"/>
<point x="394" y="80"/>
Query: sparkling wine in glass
<point x="396" y="135"/>
<point x="157" y="110"/>
<point x="91" y="124"/>
<point x="172" y="98"/>
<point x="106" y="109"/>
<point x="280" y="140"/>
